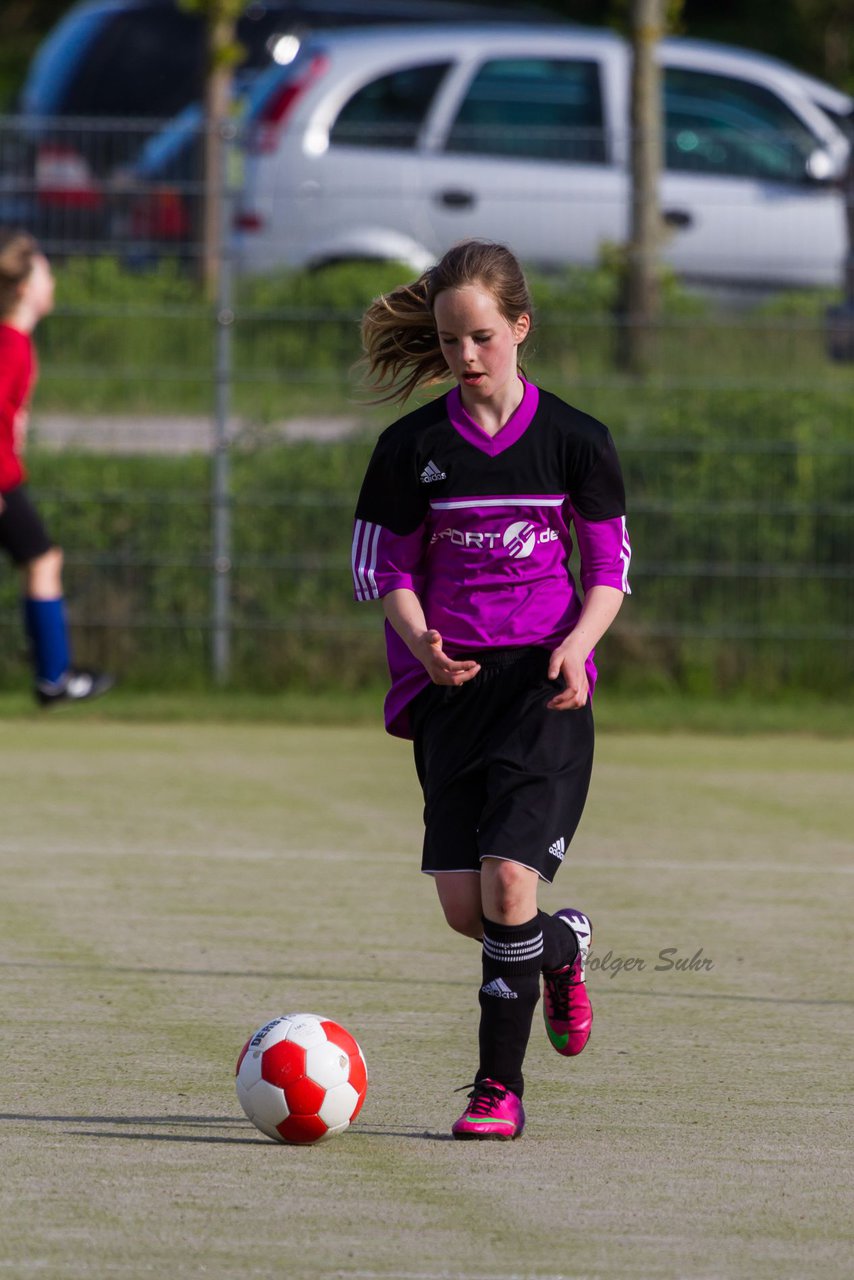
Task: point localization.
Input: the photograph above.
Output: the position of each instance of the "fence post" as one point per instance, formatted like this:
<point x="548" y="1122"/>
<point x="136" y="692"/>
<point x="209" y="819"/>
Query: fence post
<point x="221" y="469"/>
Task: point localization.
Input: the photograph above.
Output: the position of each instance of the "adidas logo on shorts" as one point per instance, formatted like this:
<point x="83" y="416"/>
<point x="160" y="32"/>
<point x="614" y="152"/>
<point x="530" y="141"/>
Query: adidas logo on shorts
<point x="431" y="473"/>
<point x="558" y="849"/>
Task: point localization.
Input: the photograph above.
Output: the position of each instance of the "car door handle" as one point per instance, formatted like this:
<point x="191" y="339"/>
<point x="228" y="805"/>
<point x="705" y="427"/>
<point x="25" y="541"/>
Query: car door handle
<point x="457" y="199"/>
<point x="679" y="218"/>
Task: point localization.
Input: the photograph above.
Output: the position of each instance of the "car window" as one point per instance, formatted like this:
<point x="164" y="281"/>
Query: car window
<point x="146" y="62"/>
<point x="719" y="125"/>
<point x="540" y="108"/>
<point x="390" y="111"/>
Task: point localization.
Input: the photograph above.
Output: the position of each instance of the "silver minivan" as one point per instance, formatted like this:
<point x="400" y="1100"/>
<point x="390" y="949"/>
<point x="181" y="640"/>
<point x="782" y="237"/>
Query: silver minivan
<point x="390" y="144"/>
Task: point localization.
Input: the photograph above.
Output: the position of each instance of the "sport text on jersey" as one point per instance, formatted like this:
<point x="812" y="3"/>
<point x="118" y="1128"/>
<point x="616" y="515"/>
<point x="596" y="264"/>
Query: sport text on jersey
<point x="518" y="539"/>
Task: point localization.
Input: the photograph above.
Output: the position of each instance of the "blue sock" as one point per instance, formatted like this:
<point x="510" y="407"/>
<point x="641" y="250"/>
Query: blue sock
<point x="48" y="633"/>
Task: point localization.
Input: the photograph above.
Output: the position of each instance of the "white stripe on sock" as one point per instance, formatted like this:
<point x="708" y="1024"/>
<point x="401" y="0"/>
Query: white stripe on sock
<point x="512" y="952"/>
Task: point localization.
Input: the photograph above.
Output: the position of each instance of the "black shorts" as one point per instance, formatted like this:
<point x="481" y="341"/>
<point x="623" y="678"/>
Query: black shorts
<point x="502" y="776"/>
<point x="22" y="532"/>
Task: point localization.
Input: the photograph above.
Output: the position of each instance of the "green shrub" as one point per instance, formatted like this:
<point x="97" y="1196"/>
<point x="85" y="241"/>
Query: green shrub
<point x="737" y="453"/>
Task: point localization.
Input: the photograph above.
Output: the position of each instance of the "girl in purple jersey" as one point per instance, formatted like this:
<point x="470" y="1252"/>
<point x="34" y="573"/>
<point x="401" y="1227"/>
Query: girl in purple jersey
<point x="464" y="527"/>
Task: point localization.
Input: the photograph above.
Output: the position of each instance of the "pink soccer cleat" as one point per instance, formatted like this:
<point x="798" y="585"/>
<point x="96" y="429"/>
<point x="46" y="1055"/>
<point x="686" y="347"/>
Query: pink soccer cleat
<point x="566" y="1004"/>
<point x="493" y="1112"/>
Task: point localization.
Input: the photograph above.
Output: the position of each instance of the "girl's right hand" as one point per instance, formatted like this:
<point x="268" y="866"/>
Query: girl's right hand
<point x="440" y="668"/>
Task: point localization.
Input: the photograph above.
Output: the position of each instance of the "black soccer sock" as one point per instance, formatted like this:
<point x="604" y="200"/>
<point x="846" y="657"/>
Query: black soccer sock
<point x="512" y="960"/>
<point x="560" y="945"/>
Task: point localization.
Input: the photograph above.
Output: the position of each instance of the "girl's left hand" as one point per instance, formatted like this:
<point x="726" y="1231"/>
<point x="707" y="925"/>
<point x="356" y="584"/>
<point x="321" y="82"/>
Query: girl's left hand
<point x="566" y="661"/>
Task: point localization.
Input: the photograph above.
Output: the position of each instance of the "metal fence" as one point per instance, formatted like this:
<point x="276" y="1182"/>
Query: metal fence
<point x="199" y="461"/>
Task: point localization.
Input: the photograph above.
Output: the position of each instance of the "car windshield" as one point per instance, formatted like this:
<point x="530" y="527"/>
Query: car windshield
<point x="718" y="124"/>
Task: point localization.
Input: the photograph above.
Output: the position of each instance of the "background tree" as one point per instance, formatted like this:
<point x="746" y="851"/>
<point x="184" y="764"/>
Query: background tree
<point x="827" y="26"/>
<point x="812" y="34"/>
<point x="23" y="23"/>
<point x="223" y="54"/>
<point x="640" y="301"/>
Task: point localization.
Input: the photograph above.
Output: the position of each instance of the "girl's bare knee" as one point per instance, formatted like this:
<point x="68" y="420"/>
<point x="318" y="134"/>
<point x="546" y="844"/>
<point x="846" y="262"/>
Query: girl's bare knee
<point x="510" y="891"/>
<point x="44" y="575"/>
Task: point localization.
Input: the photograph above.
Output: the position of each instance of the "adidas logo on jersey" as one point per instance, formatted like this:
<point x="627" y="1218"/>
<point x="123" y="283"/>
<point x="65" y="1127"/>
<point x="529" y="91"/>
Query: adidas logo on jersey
<point x="558" y="849"/>
<point x="498" y="987"/>
<point x="431" y="473"/>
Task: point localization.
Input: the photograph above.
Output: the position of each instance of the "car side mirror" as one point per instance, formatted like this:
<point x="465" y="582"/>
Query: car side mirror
<point x="822" y="167"/>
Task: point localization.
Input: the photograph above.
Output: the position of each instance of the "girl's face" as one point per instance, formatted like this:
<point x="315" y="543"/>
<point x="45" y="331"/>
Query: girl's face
<point x="479" y="345"/>
<point x="38" y="288"/>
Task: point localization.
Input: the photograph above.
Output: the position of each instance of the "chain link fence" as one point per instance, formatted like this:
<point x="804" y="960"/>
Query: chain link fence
<point x="199" y="460"/>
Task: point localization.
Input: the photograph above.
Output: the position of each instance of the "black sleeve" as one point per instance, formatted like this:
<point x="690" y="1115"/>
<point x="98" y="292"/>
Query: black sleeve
<point x="391" y="495"/>
<point x="595" y="479"/>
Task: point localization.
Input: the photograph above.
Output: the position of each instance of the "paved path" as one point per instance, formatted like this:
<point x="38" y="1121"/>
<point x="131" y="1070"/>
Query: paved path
<point x="130" y="434"/>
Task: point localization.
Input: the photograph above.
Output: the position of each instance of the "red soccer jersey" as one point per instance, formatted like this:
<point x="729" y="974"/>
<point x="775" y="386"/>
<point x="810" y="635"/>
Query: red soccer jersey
<point x="17" y="374"/>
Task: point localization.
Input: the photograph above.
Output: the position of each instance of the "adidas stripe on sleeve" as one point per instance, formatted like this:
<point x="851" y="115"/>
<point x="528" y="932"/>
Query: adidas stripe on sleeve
<point x="384" y="561"/>
<point x="366" y="537"/>
<point x="388" y="533"/>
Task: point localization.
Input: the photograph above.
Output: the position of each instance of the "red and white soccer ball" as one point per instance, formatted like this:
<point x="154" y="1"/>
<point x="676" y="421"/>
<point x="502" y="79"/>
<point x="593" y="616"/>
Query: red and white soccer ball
<point x="301" y="1078"/>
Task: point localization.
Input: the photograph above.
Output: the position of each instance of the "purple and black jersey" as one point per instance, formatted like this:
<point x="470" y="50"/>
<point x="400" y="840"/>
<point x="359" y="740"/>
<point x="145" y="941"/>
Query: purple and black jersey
<point x="480" y="528"/>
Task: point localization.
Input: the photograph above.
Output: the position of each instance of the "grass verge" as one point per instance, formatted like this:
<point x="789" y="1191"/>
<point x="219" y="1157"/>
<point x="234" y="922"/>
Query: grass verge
<point x="615" y="711"/>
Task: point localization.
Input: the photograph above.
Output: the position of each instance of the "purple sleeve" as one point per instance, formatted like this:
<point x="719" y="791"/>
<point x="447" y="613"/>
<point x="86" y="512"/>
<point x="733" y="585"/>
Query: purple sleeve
<point x="605" y="552"/>
<point x="384" y="561"/>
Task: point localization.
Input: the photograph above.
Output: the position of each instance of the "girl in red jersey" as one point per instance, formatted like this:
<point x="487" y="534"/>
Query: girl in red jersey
<point x="26" y="296"/>
<point x="464" y="526"/>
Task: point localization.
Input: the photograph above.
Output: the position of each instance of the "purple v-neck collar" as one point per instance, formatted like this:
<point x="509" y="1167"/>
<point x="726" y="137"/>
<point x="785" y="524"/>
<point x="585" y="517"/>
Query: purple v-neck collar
<point x="514" y="428"/>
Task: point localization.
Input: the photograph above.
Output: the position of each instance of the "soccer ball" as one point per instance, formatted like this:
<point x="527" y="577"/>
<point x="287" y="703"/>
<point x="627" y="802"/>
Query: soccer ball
<point x="301" y="1078"/>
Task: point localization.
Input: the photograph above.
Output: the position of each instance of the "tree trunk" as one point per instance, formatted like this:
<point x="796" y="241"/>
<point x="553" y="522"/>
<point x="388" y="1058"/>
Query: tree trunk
<point x="217" y="111"/>
<point x="837" y="41"/>
<point x="641" y="287"/>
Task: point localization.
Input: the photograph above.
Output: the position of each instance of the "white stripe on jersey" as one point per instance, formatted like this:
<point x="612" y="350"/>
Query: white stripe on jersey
<point x="354" y="556"/>
<point x="534" y="500"/>
<point x="372" y="565"/>
<point x="366" y="538"/>
<point x="626" y="557"/>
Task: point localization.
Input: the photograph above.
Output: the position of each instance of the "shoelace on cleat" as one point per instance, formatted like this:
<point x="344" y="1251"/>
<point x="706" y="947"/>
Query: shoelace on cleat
<point x="557" y="991"/>
<point x="483" y="1097"/>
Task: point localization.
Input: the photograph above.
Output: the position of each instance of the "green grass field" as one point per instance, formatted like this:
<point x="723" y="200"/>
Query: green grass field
<point x="167" y="888"/>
